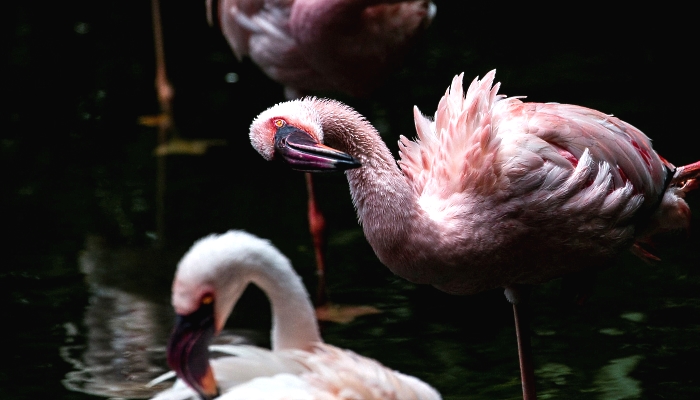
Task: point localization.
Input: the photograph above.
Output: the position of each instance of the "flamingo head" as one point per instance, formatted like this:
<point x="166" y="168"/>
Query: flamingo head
<point x="292" y="132"/>
<point x="204" y="292"/>
<point x="188" y="349"/>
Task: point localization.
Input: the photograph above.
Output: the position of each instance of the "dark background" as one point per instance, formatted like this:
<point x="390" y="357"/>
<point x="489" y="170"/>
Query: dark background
<point x="74" y="162"/>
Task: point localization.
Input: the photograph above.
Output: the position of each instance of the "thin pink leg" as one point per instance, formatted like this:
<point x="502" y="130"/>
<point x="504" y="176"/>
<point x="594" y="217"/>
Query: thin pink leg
<point x="522" y="332"/>
<point x="317" y="227"/>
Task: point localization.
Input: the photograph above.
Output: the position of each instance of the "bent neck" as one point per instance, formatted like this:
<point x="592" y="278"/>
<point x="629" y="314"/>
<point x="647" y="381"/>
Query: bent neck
<point x="379" y="176"/>
<point x="294" y="324"/>
<point x="386" y="204"/>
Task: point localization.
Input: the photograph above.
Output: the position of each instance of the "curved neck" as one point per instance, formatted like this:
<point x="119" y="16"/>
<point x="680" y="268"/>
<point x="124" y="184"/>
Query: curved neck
<point x="386" y="204"/>
<point x="294" y="324"/>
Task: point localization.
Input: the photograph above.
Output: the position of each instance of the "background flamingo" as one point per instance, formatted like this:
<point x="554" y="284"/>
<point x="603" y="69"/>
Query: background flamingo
<point x="210" y="279"/>
<point x="495" y="192"/>
<point x="327" y="45"/>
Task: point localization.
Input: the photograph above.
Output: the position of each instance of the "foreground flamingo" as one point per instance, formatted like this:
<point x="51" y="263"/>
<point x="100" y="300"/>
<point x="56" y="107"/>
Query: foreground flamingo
<point x="346" y="46"/>
<point x="209" y="280"/>
<point x="495" y="192"/>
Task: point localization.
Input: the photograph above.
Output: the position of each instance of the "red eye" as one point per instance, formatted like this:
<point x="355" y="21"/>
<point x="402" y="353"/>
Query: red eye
<point x="279" y="123"/>
<point x="207" y="299"/>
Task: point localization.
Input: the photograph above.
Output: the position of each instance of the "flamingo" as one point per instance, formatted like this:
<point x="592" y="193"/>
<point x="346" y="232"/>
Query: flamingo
<point x="346" y="46"/>
<point x="209" y="280"/>
<point x="494" y="192"/>
<point x="322" y="45"/>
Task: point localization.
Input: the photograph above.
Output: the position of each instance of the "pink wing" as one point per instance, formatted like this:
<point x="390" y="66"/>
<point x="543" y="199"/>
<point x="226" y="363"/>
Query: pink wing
<point x="234" y="17"/>
<point x="569" y="130"/>
<point x="352" y="376"/>
<point x="549" y="158"/>
<point x="322" y="44"/>
<point x="325" y="373"/>
<point x="455" y="152"/>
<point x="259" y="29"/>
<point x="354" y="45"/>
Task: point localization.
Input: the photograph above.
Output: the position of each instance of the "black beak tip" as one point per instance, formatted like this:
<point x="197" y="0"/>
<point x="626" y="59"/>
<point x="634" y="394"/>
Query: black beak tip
<point x="188" y="347"/>
<point x="351" y="163"/>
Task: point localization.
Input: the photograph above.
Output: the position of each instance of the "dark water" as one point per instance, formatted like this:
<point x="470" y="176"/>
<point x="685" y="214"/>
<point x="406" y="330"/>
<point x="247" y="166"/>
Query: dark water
<point x="84" y="294"/>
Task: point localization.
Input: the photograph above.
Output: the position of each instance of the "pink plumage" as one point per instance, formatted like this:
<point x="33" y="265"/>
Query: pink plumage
<point x="310" y="45"/>
<point x="560" y="182"/>
<point x="494" y="192"/>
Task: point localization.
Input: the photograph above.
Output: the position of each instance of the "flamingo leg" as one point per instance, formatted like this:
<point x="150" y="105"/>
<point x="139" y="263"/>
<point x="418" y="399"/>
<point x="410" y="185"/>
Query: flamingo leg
<point x="317" y="227"/>
<point x="522" y="332"/>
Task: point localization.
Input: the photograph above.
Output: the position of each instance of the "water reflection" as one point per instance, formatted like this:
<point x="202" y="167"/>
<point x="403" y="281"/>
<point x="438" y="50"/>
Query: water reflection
<point x="125" y="331"/>
<point x="613" y="380"/>
<point x="126" y="324"/>
<point x="124" y="347"/>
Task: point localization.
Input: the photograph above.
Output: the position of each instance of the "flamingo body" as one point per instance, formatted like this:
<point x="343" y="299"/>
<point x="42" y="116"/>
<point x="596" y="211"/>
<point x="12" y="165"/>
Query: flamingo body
<point x="494" y="192"/>
<point x="310" y="45"/>
<point x="209" y="280"/>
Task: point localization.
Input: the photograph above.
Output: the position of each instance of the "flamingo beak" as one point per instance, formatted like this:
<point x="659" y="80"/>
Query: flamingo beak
<point x="304" y="153"/>
<point x="188" y="350"/>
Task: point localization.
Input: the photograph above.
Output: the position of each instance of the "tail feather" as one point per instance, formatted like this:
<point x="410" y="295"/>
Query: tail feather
<point x="672" y="213"/>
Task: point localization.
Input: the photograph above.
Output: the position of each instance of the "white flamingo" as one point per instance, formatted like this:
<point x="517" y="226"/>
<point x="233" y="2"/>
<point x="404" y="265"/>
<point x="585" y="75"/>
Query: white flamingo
<point x="209" y="280"/>
<point x="495" y="192"/>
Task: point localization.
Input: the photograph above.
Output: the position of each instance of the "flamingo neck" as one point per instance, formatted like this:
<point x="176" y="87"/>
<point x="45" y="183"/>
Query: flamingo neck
<point x="386" y="205"/>
<point x="294" y="324"/>
<point x="226" y="264"/>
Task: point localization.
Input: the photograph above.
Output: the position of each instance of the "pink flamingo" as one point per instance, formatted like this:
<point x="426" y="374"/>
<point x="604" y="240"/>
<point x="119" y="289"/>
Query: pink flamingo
<point x="322" y="45"/>
<point x="495" y="192"/>
<point x="347" y="46"/>
<point x="209" y="280"/>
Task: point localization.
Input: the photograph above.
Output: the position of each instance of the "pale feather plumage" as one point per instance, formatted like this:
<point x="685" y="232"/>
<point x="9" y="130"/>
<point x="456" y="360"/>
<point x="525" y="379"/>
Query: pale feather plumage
<point x="484" y="144"/>
<point x="496" y="191"/>
<point x="308" y="44"/>
<point x="301" y="115"/>
<point x="299" y="366"/>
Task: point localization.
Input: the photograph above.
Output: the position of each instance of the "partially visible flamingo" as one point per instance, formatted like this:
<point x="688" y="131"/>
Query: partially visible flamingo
<point x="209" y="280"/>
<point x="346" y="46"/>
<point x="495" y="192"/>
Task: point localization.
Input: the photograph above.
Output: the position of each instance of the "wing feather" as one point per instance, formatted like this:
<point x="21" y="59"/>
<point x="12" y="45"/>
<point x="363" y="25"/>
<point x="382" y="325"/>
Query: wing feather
<point x="324" y="373"/>
<point x="551" y="156"/>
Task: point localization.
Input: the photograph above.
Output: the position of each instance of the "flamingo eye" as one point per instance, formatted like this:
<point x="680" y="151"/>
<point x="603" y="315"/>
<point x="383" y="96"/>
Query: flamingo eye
<point x="279" y="123"/>
<point x="207" y="299"/>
